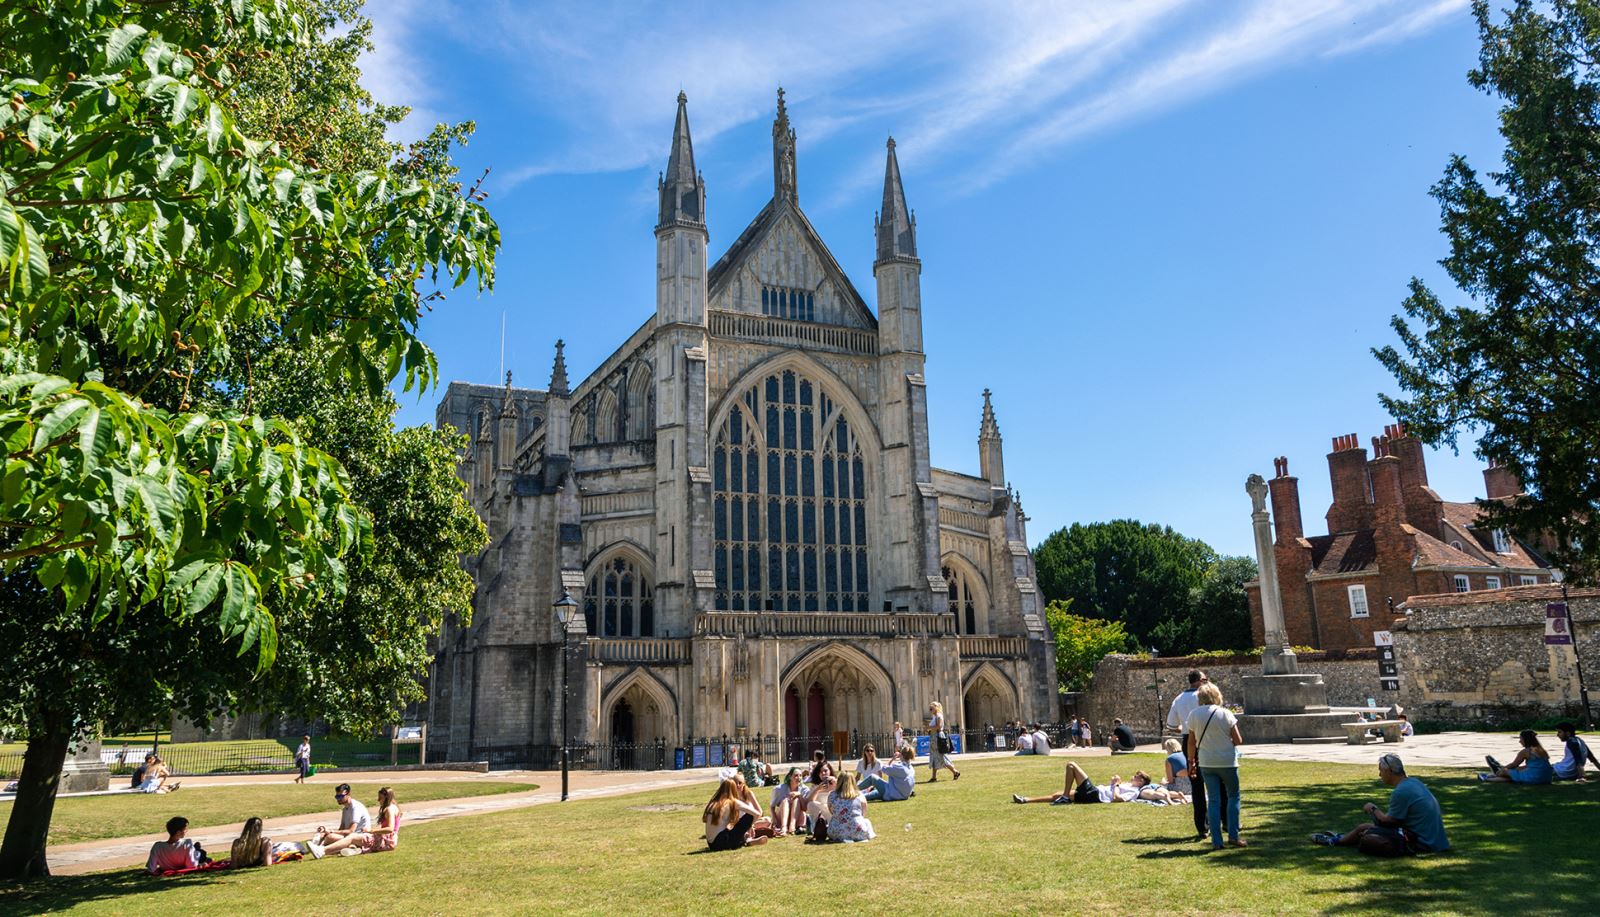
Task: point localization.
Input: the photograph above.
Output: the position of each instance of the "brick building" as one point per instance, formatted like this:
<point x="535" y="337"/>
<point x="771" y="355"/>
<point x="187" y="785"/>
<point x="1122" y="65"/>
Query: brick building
<point x="1390" y="536"/>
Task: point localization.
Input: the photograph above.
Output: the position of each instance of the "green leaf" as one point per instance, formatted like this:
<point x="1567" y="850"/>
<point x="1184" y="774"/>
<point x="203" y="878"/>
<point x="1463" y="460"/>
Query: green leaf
<point x="61" y="420"/>
<point x="90" y="443"/>
<point x="123" y="45"/>
<point x="205" y="589"/>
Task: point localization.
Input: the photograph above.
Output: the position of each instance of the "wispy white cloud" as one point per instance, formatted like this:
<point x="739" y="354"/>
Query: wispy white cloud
<point x="393" y="72"/>
<point x="980" y="88"/>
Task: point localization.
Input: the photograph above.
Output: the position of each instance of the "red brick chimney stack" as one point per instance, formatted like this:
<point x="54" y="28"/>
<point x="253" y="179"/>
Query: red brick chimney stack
<point x="1384" y="472"/>
<point x="1500" y="481"/>
<point x="1347" y="471"/>
<point x="1423" y="508"/>
<point x="1285" y="502"/>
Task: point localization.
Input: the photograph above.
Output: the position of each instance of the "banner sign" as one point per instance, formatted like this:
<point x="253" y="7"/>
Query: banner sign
<point x="1388" y="668"/>
<point x="1557" y="625"/>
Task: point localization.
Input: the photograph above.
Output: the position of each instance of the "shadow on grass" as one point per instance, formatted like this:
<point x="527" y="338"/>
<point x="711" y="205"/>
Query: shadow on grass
<point x="57" y="893"/>
<point x="1514" y="849"/>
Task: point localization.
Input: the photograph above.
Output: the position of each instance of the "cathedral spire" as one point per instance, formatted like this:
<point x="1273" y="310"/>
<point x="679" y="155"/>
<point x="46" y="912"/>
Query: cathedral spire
<point x="897" y="228"/>
<point x="784" y="185"/>
<point x="558" y="373"/>
<point x="991" y="458"/>
<point x="683" y="193"/>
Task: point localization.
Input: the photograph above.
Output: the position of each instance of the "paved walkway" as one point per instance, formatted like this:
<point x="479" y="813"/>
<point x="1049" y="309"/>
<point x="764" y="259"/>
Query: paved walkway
<point x="1453" y="749"/>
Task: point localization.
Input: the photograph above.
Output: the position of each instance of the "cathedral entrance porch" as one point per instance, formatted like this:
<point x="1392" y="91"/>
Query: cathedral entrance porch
<point x="829" y="693"/>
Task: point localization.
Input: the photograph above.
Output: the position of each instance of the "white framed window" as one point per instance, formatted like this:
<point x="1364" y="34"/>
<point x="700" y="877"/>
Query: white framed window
<point x="1491" y="582"/>
<point x="1502" y="543"/>
<point x="1463" y="584"/>
<point x="1526" y="580"/>
<point x="1358" y="601"/>
<point x="1456" y="545"/>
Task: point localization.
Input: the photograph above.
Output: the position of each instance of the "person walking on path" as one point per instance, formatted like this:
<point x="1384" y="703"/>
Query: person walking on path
<point x="1214" y="742"/>
<point x="939" y="744"/>
<point x="302" y="759"/>
<point x="1178" y="719"/>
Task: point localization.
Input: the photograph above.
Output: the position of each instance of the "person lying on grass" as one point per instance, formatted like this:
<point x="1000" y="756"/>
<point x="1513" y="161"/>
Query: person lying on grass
<point x="1531" y="765"/>
<point x="1412" y="825"/>
<point x="1140" y="787"/>
<point x="728" y="819"/>
<point x="385" y="835"/>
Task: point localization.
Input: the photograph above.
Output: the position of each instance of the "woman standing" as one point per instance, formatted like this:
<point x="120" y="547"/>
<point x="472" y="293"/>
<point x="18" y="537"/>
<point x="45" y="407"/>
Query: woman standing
<point x="848" y="822"/>
<point x="1214" y="742"/>
<point x="302" y="759"/>
<point x="939" y="744"/>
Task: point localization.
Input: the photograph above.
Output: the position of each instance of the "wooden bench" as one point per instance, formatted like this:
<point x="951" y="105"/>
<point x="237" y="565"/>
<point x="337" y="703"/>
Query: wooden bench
<point x="1358" y="733"/>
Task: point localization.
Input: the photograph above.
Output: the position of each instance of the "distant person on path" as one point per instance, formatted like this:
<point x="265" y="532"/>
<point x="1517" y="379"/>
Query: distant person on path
<point x="354" y="820"/>
<point x="1578" y="754"/>
<point x="728" y="819"/>
<point x="939" y="745"/>
<point x="899" y="734"/>
<point x="1413" y="823"/>
<point x="1531" y="765"/>
<point x="848" y="822"/>
<point x="177" y="851"/>
<point x="1121" y="738"/>
<point x="1086" y="735"/>
<point x="1177" y="768"/>
<point x="1214" y="742"/>
<point x="1178" y="721"/>
<point x="302" y="759"/>
<point x="250" y="849"/>
<point x="988" y="737"/>
<point x="788" y="804"/>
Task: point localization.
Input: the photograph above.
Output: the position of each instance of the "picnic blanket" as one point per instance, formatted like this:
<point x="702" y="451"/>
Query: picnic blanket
<point x="203" y="867"/>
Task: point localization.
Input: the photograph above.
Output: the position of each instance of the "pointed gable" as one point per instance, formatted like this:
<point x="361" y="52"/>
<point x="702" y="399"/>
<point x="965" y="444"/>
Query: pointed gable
<point x="780" y="266"/>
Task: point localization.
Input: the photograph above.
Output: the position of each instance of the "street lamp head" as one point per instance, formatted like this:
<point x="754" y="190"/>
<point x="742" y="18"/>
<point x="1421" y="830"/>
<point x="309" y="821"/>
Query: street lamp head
<point x="1154" y="653"/>
<point x="565" y="607"/>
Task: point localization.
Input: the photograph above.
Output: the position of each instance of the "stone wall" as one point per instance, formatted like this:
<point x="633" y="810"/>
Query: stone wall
<point x="1123" y="685"/>
<point x="1480" y="658"/>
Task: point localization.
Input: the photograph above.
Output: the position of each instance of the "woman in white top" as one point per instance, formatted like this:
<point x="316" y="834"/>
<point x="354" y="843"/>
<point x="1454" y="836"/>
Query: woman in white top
<point x="1214" y="740"/>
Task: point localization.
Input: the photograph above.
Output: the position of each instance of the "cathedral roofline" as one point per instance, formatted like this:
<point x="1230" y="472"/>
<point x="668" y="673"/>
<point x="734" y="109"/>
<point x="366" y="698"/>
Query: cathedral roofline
<point x="722" y="271"/>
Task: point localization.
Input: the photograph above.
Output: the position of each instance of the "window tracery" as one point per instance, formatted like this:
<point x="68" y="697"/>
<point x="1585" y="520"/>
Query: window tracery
<point x="619" y="602"/>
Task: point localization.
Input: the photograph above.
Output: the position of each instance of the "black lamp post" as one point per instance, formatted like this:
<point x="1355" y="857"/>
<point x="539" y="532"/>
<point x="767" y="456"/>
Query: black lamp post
<point x="565" y="607"/>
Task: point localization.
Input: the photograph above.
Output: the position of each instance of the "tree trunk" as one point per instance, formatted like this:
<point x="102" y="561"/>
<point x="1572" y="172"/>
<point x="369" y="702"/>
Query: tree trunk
<point x="22" y="853"/>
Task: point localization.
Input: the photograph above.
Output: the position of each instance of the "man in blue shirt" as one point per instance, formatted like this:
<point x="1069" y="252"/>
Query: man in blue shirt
<point x="899" y="780"/>
<point x="1413" y="823"/>
<point x="1578" y="753"/>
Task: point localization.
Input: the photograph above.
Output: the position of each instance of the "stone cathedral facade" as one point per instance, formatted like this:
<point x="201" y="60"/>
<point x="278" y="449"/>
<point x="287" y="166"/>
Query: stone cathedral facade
<point x="740" y="500"/>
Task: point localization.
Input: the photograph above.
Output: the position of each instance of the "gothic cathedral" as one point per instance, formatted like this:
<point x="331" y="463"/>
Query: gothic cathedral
<point x="740" y="501"/>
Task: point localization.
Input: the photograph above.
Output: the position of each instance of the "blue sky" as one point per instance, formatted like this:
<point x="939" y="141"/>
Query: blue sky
<point x="1164" y="232"/>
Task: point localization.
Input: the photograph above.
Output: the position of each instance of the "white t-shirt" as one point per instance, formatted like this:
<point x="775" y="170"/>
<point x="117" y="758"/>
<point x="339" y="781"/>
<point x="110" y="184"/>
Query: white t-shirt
<point x="875" y="769"/>
<point x="1041" y="743"/>
<point x="1212" y="726"/>
<point x="1126" y="792"/>
<point x="1024" y="743"/>
<point x="171" y="855"/>
<point x="1182" y="706"/>
<point x="355" y="816"/>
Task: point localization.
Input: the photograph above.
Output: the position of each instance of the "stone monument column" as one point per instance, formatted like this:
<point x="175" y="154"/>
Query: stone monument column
<point x="1278" y="657"/>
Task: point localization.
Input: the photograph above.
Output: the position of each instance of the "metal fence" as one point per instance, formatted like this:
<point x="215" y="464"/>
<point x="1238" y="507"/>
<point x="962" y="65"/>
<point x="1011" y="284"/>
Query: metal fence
<point x="238" y="757"/>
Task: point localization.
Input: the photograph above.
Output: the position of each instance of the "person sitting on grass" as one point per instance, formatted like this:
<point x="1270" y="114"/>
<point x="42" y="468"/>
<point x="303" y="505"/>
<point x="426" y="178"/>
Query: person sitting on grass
<point x="1530" y="766"/>
<point x="821" y="770"/>
<point x="141" y="770"/>
<point x="156" y="775"/>
<point x="177" y="852"/>
<point x="1041" y="740"/>
<point x="354" y="820"/>
<point x="788" y="805"/>
<point x="1080" y="789"/>
<point x="1121" y="739"/>
<point x="818" y="812"/>
<point x="1177" y="768"/>
<point x="1025" y="742"/>
<point x="1412" y="825"/>
<point x="869" y="771"/>
<point x="1406" y="731"/>
<point x="848" y="807"/>
<point x="385" y="835"/>
<point x="750" y="769"/>
<point x="898" y="780"/>
<point x="728" y="819"/>
<point x="763" y="825"/>
<point x="250" y="849"/>
<point x="1578" y="754"/>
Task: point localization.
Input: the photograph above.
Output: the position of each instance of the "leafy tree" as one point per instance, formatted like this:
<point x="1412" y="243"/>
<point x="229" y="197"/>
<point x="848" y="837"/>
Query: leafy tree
<point x="1081" y="643"/>
<point x="1519" y="362"/>
<point x="1167" y="590"/>
<point x="156" y="552"/>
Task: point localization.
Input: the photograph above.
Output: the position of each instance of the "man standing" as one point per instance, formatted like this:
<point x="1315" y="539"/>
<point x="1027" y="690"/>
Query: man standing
<point x="1413" y="823"/>
<point x="1177" y="718"/>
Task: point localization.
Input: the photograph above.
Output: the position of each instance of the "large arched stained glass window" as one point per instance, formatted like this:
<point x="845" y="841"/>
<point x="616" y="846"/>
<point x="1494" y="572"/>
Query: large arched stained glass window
<point x="790" y="514"/>
<point x="619" y="602"/>
<point x="963" y="604"/>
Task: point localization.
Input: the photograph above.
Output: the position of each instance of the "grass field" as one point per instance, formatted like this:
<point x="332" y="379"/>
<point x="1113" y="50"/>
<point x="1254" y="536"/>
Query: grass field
<point x="234" y="756"/>
<point x="88" y="818"/>
<point x="958" y="848"/>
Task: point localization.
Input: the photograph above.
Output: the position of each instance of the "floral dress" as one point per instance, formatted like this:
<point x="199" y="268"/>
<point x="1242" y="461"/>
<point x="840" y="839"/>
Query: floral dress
<point x="849" y="820"/>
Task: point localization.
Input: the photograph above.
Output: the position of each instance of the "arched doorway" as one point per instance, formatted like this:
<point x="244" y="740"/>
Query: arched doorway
<point x="639" y="721"/>
<point x="988" y="701"/>
<point x="622" y="734"/>
<point x="836" y="692"/>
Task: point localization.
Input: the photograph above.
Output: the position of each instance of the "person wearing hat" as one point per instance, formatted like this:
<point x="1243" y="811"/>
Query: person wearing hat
<point x="1413" y="823"/>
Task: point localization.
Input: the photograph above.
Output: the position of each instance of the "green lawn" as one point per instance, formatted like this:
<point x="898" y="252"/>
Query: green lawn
<point x="87" y="818"/>
<point x="237" y="756"/>
<point x="958" y="848"/>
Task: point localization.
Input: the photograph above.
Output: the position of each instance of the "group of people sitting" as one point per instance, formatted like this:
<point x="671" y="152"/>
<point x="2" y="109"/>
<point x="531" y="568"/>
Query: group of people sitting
<point x="357" y="833"/>
<point x="1532" y="763"/>
<point x="152" y="776"/>
<point x="1032" y="740"/>
<point x="824" y="802"/>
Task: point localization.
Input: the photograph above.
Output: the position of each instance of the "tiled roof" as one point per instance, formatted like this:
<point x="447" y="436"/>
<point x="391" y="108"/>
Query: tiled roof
<point x="1461" y="522"/>
<point x="1431" y="552"/>
<point x="1347" y="552"/>
<point x="1543" y="592"/>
